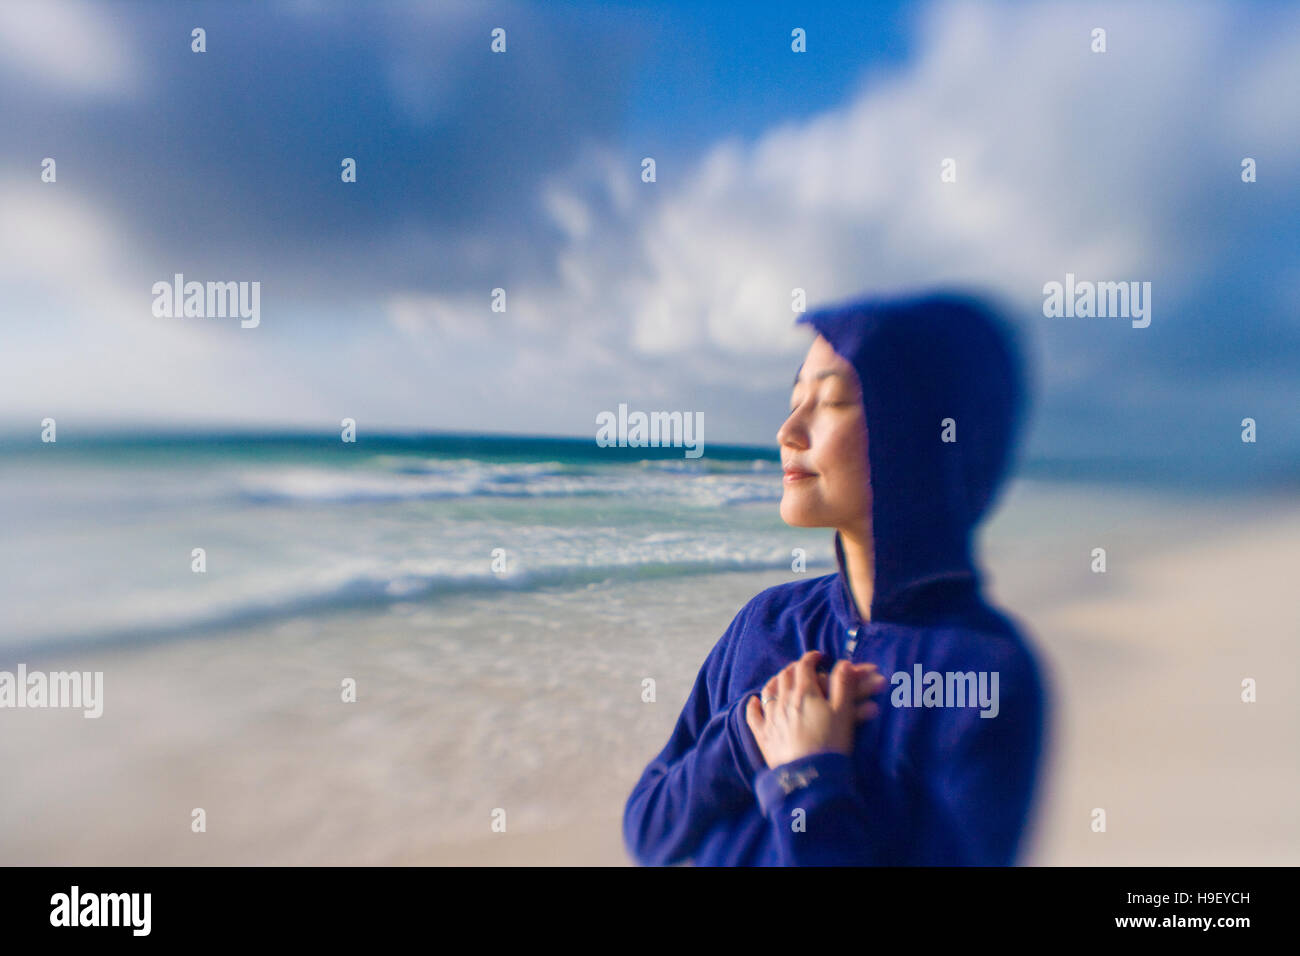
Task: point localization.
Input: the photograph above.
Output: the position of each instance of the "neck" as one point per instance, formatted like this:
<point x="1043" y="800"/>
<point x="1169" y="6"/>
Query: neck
<point x="859" y="563"/>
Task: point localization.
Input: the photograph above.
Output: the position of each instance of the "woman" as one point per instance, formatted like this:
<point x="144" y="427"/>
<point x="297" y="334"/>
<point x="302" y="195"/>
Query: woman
<point x="902" y="423"/>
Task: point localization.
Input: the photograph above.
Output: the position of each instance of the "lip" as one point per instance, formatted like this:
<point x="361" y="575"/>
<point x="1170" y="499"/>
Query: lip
<point x="793" y="475"/>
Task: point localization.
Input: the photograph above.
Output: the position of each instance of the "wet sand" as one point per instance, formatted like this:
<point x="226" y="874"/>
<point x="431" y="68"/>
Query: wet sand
<point x="539" y="714"/>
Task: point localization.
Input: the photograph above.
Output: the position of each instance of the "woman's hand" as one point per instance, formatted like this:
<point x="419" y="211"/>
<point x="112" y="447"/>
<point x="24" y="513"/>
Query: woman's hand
<point x="812" y="712"/>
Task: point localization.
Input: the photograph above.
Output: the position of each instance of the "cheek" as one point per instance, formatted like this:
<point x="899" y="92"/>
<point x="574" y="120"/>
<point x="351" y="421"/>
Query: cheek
<point x="844" y="451"/>
<point x="845" y="459"/>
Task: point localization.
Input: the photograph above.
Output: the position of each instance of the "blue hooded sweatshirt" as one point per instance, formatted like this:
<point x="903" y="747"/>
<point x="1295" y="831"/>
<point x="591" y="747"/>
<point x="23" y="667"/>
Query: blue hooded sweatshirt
<point x="937" y="777"/>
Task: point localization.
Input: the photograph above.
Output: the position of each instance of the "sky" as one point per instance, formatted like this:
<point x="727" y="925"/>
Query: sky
<point x="522" y="170"/>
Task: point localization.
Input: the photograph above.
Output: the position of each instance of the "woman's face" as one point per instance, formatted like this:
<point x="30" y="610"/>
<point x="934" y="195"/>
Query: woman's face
<point x="824" y="446"/>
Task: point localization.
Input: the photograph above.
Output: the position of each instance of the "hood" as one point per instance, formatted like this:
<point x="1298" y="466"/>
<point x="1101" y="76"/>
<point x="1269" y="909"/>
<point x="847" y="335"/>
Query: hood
<point x="922" y="360"/>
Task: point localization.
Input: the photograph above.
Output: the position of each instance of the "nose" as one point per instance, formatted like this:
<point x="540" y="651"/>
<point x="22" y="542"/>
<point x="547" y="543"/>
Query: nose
<point x="792" y="431"/>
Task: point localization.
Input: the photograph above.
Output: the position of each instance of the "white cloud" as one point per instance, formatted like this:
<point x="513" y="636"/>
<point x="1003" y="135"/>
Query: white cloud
<point x="67" y="46"/>
<point x="1067" y="161"/>
<point x="568" y="211"/>
<point x="1101" y="164"/>
<point x="80" y="336"/>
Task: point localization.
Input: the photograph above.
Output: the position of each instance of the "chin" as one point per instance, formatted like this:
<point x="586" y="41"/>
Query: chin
<point x="797" y="517"/>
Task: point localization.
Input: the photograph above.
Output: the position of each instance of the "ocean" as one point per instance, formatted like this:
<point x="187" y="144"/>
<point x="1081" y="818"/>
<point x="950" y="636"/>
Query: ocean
<point x="101" y="535"/>
<point x="481" y="692"/>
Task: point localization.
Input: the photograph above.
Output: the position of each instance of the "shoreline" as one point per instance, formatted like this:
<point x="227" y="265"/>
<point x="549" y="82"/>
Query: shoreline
<point x="470" y="705"/>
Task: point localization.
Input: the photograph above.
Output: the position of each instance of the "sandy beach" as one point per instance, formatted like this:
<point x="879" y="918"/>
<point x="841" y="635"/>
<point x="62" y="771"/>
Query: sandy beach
<point x="1152" y="727"/>
<point x="1150" y="724"/>
<point x="542" y="716"/>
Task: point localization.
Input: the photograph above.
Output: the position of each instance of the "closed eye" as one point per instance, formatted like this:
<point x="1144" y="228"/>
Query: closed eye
<point x="827" y="404"/>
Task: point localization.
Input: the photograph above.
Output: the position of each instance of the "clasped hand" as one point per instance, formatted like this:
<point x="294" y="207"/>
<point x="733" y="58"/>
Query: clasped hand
<point x="807" y="712"/>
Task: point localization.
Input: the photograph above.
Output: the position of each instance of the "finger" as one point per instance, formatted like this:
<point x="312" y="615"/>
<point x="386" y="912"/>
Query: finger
<point x="785" y="681"/>
<point x="869" y="681"/>
<point x="769" y="689"/>
<point x="843" y="682"/>
<point x="864" y="679"/>
<point x="754" y="715"/>
<point x="866" y="710"/>
<point x="805" y="674"/>
<point x="795" y="666"/>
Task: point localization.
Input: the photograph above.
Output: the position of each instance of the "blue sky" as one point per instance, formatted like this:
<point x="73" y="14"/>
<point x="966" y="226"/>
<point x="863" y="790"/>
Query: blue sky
<point x="521" y="170"/>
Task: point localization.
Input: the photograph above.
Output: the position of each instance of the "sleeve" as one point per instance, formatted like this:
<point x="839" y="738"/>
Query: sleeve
<point x="822" y="815"/>
<point x="706" y="771"/>
<point x="969" y="810"/>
